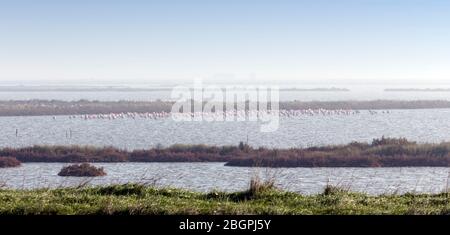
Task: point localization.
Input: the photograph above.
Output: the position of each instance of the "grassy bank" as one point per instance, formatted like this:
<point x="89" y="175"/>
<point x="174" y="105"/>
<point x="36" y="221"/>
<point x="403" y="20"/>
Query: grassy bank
<point x="58" y="107"/>
<point x="383" y="152"/>
<point x="138" y="199"/>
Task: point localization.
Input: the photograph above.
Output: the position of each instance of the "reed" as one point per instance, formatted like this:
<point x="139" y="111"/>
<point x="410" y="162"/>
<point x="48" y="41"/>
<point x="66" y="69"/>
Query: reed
<point x="383" y="152"/>
<point x="6" y="162"/>
<point x="82" y="170"/>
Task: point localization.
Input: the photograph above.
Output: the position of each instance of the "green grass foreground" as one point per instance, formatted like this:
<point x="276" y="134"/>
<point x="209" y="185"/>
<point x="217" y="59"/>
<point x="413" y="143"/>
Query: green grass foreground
<point x="143" y="200"/>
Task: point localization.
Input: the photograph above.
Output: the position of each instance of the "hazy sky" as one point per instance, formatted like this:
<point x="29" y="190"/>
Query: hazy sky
<point x="286" y="40"/>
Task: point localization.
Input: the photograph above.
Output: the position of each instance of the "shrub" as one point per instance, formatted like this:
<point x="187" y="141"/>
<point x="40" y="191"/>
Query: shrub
<point x="333" y="190"/>
<point x="82" y="170"/>
<point x="257" y="185"/>
<point x="391" y="141"/>
<point x="9" y="162"/>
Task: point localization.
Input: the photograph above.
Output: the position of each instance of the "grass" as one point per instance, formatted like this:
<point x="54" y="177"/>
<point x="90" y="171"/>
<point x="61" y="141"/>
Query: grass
<point x="133" y="199"/>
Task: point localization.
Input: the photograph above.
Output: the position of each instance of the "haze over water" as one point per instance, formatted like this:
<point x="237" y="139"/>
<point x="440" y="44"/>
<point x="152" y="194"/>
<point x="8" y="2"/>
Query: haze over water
<point x="363" y="46"/>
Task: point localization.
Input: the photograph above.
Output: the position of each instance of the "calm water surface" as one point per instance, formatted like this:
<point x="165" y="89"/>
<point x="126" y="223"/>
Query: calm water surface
<point x="205" y="177"/>
<point x="420" y="125"/>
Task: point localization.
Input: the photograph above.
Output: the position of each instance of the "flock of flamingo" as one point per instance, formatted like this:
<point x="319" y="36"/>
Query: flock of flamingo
<point x="227" y="114"/>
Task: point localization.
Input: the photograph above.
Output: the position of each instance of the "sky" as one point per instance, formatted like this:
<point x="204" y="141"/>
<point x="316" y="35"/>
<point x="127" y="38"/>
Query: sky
<point x="229" y="40"/>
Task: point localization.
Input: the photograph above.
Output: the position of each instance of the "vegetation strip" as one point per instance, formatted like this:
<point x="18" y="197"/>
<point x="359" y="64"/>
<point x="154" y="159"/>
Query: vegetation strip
<point x="383" y="152"/>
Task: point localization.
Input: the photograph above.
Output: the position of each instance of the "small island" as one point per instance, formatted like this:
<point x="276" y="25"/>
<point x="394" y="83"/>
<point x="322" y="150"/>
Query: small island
<point x="6" y="162"/>
<point x="82" y="170"/>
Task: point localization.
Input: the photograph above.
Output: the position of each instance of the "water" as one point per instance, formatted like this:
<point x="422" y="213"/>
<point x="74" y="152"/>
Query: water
<point x="419" y="125"/>
<point x="357" y="92"/>
<point x="205" y="177"/>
